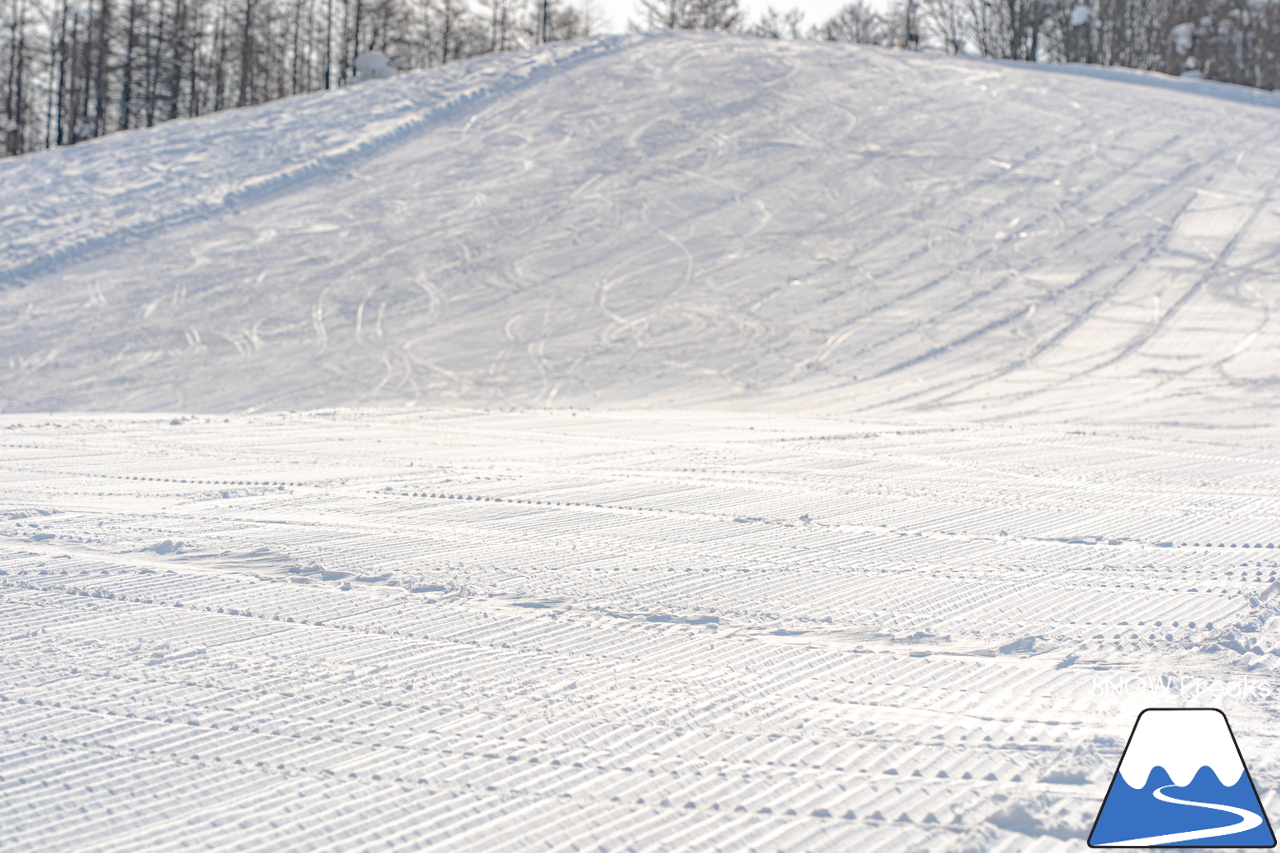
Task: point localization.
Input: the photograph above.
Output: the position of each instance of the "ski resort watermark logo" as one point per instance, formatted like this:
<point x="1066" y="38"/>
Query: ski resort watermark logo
<point x="1181" y="686"/>
<point x="1182" y="782"/>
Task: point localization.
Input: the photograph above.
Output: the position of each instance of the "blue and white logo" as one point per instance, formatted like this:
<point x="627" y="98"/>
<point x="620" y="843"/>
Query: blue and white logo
<point x="1182" y="783"/>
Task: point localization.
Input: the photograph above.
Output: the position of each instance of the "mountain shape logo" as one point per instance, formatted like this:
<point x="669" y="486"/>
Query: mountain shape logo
<point x="1182" y="783"/>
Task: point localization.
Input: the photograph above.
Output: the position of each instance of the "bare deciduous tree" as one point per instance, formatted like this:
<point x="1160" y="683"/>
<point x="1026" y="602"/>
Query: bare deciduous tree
<point x="778" y="25"/>
<point x="722" y="15"/>
<point x="856" y="23"/>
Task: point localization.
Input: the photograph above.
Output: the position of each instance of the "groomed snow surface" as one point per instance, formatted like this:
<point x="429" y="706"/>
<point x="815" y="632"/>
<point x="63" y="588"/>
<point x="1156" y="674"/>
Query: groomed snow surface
<point x="700" y="443"/>
<point x="612" y="631"/>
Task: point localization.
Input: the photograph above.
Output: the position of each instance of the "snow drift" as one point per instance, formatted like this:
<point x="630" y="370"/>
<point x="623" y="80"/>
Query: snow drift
<point x="658" y="220"/>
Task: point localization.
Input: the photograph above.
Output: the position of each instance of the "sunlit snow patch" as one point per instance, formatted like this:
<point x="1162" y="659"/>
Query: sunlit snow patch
<point x="1182" y="783"/>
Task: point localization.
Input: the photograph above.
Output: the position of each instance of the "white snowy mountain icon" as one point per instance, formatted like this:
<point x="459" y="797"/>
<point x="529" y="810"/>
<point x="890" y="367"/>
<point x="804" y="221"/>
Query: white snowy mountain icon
<point x="1182" y="783"/>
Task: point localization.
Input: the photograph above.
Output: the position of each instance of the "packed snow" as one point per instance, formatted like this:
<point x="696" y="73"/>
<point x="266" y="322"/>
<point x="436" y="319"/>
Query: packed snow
<point x="647" y="443"/>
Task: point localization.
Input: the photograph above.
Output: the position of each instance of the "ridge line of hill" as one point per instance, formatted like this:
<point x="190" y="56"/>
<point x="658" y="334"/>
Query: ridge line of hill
<point x="514" y="72"/>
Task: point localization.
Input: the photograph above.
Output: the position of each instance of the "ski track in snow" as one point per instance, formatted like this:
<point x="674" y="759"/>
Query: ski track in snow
<point x="661" y="630"/>
<point x="659" y="221"/>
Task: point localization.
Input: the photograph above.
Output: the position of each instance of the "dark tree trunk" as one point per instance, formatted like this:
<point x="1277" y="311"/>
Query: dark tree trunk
<point x="126" y="69"/>
<point x="246" y="56"/>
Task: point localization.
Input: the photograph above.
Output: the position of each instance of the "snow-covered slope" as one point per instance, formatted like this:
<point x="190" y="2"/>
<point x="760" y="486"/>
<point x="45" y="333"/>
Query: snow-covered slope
<point x="662" y="220"/>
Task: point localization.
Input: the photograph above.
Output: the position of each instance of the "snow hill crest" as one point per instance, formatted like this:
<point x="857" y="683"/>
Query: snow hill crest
<point x="676" y="221"/>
